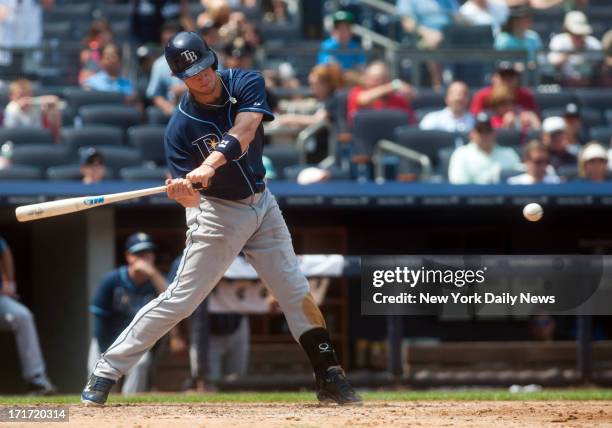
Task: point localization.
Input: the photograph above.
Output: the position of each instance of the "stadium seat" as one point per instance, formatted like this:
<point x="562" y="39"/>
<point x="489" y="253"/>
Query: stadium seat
<point x="370" y="126"/>
<point x="78" y="97"/>
<point x="60" y="30"/>
<point x="143" y="173"/>
<point x="509" y="137"/>
<point x="340" y="119"/>
<point x="569" y="172"/>
<point x="149" y="139"/>
<point x="64" y="172"/>
<point x="39" y="155"/>
<point x="117" y="157"/>
<point x="428" y="143"/>
<point x="114" y="12"/>
<point x="548" y="100"/>
<point x="608" y="115"/>
<point x="20" y="172"/>
<point x="603" y="134"/>
<point x="68" y="12"/>
<point x="597" y="98"/>
<point x="120" y="116"/>
<point x="468" y="36"/>
<point x="154" y="116"/>
<point x="26" y="136"/>
<point x="429" y="99"/>
<point x="282" y="156"/>
<point x="94" y="135"/>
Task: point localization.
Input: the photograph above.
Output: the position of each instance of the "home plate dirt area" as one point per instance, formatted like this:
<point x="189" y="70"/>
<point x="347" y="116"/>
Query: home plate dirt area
<point x="371" y="414"/>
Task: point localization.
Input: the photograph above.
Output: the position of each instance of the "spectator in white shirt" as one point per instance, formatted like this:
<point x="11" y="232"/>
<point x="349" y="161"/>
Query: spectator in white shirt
<point x="575" y="54"/>
<point x="456" y="116"/>
<point x="481" y="161"/>
<point x="485" y="12"/>
<point x="537" y="165"/>
<point x="26" y="111"/>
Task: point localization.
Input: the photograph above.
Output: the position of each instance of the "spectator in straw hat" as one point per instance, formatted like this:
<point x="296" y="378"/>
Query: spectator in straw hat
<point x="575" y="53"/>
<point x="593" y="163"/>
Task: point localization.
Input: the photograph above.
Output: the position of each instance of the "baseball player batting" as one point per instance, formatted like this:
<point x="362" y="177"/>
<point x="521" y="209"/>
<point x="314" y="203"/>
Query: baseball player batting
<point x="215" y="138"/>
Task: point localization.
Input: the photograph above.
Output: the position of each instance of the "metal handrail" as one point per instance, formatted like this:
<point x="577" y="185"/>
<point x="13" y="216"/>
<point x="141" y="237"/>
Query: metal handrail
<point x="306" y="134"/>
<point x="387" y="146"/>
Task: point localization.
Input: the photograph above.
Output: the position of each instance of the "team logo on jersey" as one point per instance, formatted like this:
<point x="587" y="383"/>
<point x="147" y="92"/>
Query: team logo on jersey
<point x="190" y="56"/>
<point x="207" y="144"/>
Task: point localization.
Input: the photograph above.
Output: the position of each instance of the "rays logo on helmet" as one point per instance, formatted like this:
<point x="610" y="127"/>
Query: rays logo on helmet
<point x="190" y="56"/>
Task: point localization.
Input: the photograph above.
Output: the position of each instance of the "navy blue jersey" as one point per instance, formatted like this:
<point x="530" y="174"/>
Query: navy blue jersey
<point x="116" y="302"/>
<point x="195" y="130"/>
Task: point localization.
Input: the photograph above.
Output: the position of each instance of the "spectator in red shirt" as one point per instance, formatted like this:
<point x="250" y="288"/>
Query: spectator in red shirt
<point x="506" y="75"/>
<point x="378" y="92"/>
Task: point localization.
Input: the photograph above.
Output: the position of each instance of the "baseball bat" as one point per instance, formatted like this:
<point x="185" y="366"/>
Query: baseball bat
<point x="72" y="205"/>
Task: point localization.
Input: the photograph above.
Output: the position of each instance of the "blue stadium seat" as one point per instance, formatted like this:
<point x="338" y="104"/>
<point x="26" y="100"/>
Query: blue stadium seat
<point x="547" y="100"/>
<point x="468" y="36"/>
<point x="117" y="157"/>
<point x="608" y="114"/>
<point x="20" y="172"/>
<point x="60" y="30"/>
<point x="26" y="136"/>
<point x="109" y="114"/>
<point x="597" y="98"/>
<point x="427" y="98"/>
<point x="98" y="135"/>
<point x="428" y="143"/>
<point x="603" y="134"/>
<point x="155" y="116"/>
<point x="143" y="173"/>
<point x="68" y="12"/>
<point x="114" y="12"/>
<point x="64" y="172"/>
<point x="370" y="126"/>
<point x="509" y="137"/>
<point x="78" y="97"/>
<point x="39" y="155"/>
<point x="149" y="139"/>
<point x="282" y="156"/>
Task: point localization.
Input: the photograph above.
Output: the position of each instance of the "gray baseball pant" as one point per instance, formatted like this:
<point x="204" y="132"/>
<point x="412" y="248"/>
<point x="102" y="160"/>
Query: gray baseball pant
<point x="217" y="231"/>
<point x="136" y="380"/>
<point x="18" y="318"/>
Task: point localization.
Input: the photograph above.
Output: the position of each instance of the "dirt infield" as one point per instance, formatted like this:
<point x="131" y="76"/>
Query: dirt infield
<point x="372" y="414"/>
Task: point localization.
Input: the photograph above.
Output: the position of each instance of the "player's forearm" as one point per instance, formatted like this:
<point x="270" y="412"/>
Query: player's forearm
<point x="245" y="127"/>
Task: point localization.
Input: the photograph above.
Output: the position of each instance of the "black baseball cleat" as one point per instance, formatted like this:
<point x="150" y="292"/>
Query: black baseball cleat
<point x="96" y="391"/>
<point x="335" y="388"/>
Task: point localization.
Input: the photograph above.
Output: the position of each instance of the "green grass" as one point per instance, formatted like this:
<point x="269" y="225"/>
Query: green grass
<point x="308" y="397"/>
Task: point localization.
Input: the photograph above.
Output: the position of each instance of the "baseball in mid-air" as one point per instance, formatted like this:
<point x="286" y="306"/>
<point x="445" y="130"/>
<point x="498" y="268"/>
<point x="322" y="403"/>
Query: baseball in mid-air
<point x="533" y="212"/>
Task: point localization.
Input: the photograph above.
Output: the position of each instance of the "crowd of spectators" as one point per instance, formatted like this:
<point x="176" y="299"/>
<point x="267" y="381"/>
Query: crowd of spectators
<point x="346" y="80"/>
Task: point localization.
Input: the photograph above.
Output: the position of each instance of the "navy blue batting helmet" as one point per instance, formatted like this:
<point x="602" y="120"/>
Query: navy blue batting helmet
<point x="187" y="54"/>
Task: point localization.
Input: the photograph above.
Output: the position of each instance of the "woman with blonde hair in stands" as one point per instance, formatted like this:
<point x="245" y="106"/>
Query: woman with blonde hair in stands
<point x="593" y="163"/>
<point x="26" y="111"/>
<point x="324" y="81"/>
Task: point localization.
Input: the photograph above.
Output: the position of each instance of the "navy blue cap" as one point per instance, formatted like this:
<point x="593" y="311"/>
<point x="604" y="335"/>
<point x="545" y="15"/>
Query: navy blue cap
<point x="138" y="242"/>
<point x="483" y="122"/>
<point x="88" y="155"/>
